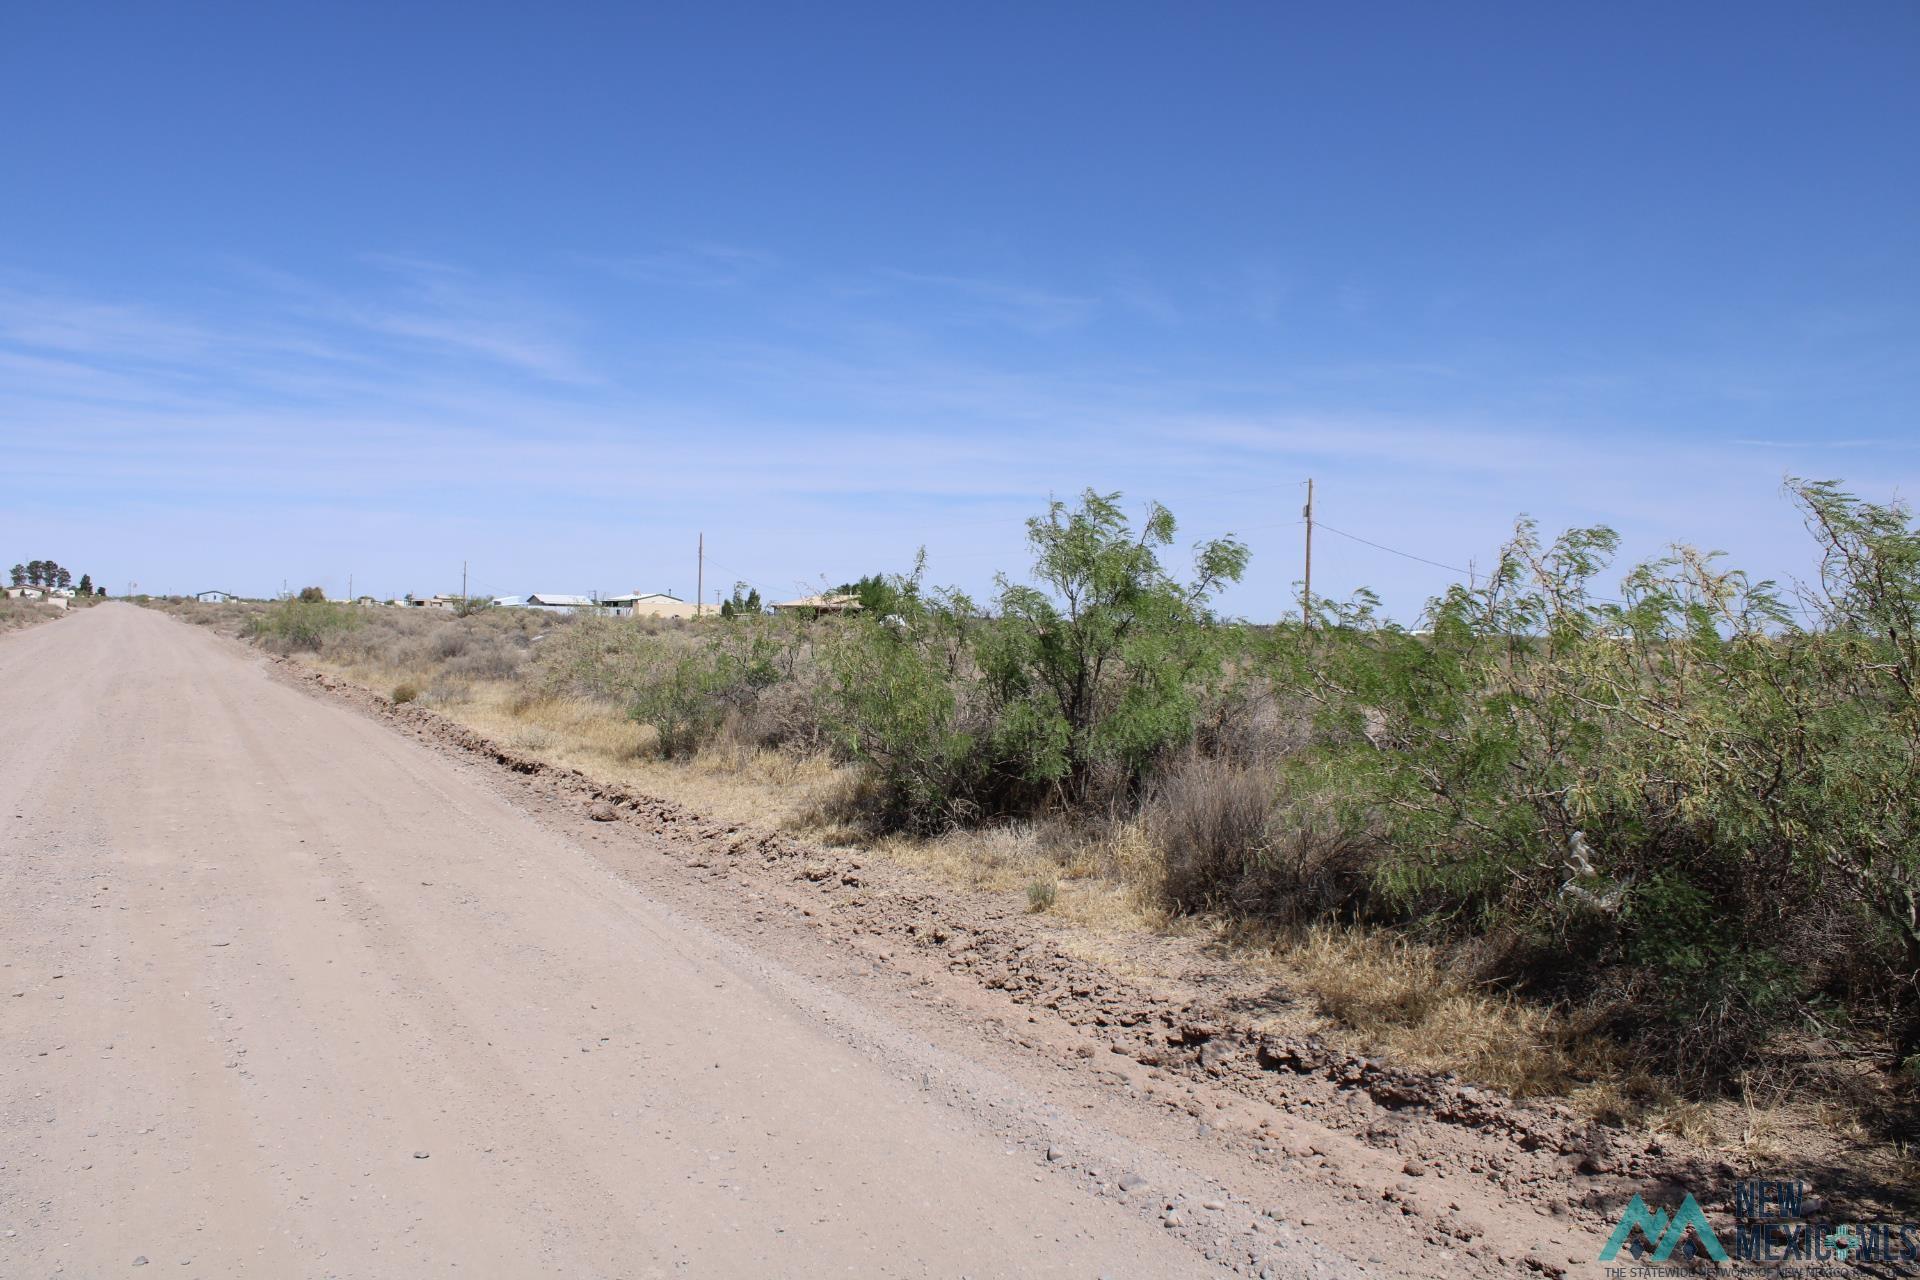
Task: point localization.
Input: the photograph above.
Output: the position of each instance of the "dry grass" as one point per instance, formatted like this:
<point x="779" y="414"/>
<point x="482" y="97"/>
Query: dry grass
<point x="1401" y="999"/>
<point x="1103" y="877"/>
<point x="18" y="613"/>
<point x="728" y="781"/>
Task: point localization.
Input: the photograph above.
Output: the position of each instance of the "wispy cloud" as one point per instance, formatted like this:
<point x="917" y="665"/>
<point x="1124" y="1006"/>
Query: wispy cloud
<point x="1864" y="443"/>
<point x="445" y="307"/>
<point x="51" y="322"/>
<point x="430" y="307"/>
<point x="985" y="300"/>
<point x="416" y="412"/>
<point x="698" y="266"/>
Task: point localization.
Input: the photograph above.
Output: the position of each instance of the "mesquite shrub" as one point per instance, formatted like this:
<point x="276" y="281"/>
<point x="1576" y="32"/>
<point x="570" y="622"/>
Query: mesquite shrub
<point x="1064" y="694"/>
<point x="1697" y="797"/>
<point x="1683" y="801"/>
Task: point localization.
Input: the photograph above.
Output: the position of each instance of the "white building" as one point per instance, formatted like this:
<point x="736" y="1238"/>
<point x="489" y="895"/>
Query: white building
<point x="810" y="605"/>
<point x="555" y="603"/>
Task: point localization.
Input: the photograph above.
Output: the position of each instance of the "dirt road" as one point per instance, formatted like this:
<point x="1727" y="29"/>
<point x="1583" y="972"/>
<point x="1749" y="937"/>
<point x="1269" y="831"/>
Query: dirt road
<point x="287" y="994"/>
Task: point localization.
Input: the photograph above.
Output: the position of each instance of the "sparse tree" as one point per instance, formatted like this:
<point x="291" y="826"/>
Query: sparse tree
<point x="312" y="595"/>
<point x="86" y="584"/>
<point x="64" y="579"/>
<point x="879" y="594"/>
<point x="1099" y="663"/>
<point x="744" y="603"/>
<point x="35" y="568"/>
<point x="19" y="575"/>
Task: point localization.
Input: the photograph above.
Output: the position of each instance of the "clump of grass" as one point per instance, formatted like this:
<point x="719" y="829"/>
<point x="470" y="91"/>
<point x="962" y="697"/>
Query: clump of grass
<point x="1241" y="836"/>
<point x="1405" y="998"/>
<point x="1041" y="895"/>
<point x="405" y="691"/>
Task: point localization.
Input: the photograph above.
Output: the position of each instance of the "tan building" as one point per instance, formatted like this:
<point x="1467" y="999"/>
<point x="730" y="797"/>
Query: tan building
<point x="655" y="604"/>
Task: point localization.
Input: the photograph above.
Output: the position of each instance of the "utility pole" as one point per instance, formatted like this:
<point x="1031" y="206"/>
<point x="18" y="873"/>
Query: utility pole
<point x="1306" y="593"/>
<point x="700" y="581"/>
<point x="463" y="580"/>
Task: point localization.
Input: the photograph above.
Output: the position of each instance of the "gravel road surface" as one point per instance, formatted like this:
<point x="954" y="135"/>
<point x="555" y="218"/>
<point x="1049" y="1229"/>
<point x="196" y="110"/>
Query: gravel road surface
<point x="288" y="994"/>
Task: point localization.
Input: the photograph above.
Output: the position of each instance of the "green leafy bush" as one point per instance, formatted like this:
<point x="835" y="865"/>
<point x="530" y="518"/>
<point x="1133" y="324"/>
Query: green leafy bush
<point x="679" y="700"/>
<point x="901" y="698"/>
<point x="1101" y="665"/>
<point x="1686" y="802"/>
<point x="1682" y="795"/>
<point x="688" y="695"/>
<point x="1065" y="694"/>
<point x="300" y="625"/>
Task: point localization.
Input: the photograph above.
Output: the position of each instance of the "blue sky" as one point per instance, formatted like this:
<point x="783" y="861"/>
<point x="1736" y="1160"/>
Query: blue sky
<point x="297" y="292"/>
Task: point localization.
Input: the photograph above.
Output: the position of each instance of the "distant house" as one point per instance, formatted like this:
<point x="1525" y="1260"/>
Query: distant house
<point x="509" y="602"/>
<point x="366" y="601"/>
<point x="215" y="597"/>
<point x="819" y="604"/>
<point x="26" y="593"/>
<point x="652" y="604"/>
<point x="555" y="603"/>
<point x="668" y="607"/>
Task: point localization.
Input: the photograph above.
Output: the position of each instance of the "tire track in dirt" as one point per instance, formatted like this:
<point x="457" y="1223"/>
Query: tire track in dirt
<point x="353" y="1010"/>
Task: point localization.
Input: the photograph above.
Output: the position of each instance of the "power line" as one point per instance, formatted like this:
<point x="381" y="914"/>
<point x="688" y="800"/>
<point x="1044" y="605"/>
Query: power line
<point x="1465" y="573"/>
<point x="1380" y="546"/>
<point x="1199" y="490"/>
<point x="766" y="591"/>
<point x="1316" y="521"/>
